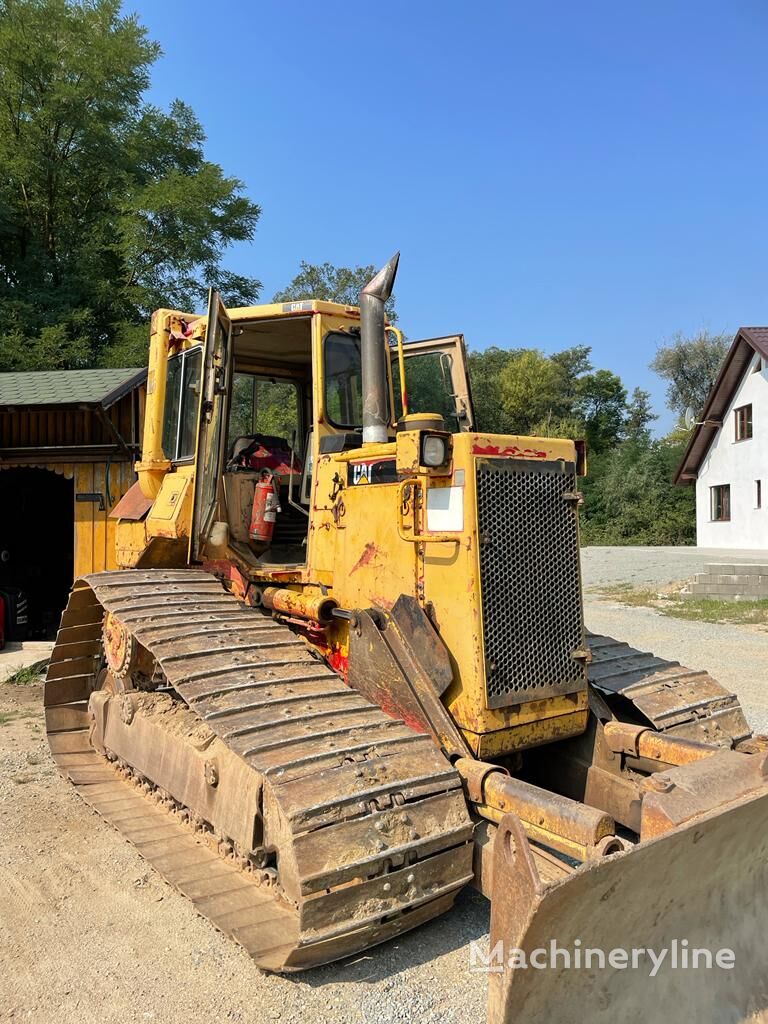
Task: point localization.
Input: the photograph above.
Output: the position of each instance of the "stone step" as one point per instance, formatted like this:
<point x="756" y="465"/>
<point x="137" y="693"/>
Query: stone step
<point x="752" y="592"/>
<point x="737" y="568"/>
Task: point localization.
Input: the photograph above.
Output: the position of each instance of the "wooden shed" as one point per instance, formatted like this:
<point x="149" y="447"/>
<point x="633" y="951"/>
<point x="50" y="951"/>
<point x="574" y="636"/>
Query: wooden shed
<point x="68" y="442"/>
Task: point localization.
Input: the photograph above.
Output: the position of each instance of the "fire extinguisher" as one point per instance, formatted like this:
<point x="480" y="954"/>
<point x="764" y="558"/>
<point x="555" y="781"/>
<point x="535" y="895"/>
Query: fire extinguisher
<point x="266" y="505"/>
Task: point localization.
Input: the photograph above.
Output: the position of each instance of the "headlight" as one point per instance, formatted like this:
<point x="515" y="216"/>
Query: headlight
<point x="433" y="451"/>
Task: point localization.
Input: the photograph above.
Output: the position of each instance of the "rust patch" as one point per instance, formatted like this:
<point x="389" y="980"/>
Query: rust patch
<point x="368" y="557"/>
<point x="133" y="505"/>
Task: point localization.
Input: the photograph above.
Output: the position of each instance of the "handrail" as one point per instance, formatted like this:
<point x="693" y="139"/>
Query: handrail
<point x="409" y="533"/>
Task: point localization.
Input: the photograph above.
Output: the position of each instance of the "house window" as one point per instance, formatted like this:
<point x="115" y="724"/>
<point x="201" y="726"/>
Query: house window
<point x="743" y="423"/>
<point x="758" y="493"/>
<point x="720" y="498"/>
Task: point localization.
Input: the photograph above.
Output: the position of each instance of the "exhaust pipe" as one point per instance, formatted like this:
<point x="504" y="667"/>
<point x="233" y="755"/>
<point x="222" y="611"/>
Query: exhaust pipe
<point x="373" y="352"/>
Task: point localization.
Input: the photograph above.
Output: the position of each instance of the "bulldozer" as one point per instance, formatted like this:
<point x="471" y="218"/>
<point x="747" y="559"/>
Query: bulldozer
<point x="342" y="672"/>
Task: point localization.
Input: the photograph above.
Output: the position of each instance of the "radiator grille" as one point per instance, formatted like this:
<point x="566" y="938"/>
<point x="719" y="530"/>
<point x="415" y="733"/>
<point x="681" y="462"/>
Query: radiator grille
<point x="530" y="580"/>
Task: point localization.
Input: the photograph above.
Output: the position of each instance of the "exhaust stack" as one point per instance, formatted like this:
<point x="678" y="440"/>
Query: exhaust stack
<point x="373" y="352"/>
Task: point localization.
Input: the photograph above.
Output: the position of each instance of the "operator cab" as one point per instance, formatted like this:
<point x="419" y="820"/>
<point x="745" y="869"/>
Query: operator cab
<point x="271" y="390"/>
<point x="267" y="435"/>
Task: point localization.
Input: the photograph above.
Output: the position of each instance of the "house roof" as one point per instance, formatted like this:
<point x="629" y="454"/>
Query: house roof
<point x="748" y="341"/>
<point x="46" y="388"/>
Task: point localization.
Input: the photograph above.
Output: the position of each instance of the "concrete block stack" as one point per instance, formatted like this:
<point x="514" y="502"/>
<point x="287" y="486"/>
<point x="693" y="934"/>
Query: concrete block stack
<point x="730" y="582"/>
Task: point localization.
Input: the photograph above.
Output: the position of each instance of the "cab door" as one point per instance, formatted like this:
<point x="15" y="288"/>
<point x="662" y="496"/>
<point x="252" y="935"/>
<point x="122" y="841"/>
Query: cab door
<point x="211" y="433"/>
<point x="437" y="380"/>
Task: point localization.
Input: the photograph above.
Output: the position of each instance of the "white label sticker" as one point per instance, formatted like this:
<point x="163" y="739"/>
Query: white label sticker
<point x="445" y="509"/>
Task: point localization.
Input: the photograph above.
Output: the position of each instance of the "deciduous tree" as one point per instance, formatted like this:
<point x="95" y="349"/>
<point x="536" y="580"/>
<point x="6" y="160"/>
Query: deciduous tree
<point x="108" y="204"/>
<point x="690" y="366"/>
<point x="332" y="284"/>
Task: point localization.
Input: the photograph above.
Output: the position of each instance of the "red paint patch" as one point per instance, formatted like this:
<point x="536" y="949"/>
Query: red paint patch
<point x="370" y="552"/>
<point x="393" y="710"/>
<point x="510" y="452"/>
<point x="339" y="662"/>
<point x="228" y="571"/>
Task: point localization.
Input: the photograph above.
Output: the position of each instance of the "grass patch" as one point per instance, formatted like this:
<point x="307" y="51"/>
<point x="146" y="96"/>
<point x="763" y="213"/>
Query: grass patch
<point x="28" y="674"/>
<point x="668" y="601"/>
<point x="6" y="717"/>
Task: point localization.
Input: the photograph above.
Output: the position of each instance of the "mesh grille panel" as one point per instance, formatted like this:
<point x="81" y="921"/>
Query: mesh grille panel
<point x="530" y="580"/>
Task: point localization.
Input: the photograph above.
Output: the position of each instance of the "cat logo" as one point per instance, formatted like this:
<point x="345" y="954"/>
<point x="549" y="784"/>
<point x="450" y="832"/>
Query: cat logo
<point x="359" y="474"/>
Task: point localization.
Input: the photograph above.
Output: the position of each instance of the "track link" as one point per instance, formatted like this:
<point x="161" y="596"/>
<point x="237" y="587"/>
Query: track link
<point x="370" y="815"/>
<point x="674" y="699"/>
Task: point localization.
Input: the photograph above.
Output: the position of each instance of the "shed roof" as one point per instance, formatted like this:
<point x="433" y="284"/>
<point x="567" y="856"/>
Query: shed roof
<point x="45" y="388"/>
<point x="748" y="341"/>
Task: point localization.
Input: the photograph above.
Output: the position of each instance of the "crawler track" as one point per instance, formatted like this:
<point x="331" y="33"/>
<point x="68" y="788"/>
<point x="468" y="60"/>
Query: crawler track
<point x="371" y="815"/>
<point x="673" y="698"/>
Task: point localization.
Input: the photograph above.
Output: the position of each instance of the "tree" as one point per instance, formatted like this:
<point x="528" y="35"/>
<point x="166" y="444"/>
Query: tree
<point x="601" y="404"/>
<point x="629" y="497"/>
<point x="639" y="416"/>
<point x="533" y="388"/>
<point x="332" y="284"/>
<point x="574" y="362"/>
<point x="485" y="371"/>
<point x="690" y="366"/>
<point x="108" y="205"/>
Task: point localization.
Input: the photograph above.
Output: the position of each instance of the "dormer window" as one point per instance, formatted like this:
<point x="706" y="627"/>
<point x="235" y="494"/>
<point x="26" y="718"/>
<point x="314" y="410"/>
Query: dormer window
<point x="743" y="417"/>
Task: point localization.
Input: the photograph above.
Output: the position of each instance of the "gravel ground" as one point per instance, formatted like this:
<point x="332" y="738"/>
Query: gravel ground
<point x="736" y="655"/>
<point x="89" y="933"/>
<point x="656" y="565"/>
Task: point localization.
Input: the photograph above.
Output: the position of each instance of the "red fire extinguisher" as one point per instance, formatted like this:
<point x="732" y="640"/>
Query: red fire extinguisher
<point x="266" y="505"/>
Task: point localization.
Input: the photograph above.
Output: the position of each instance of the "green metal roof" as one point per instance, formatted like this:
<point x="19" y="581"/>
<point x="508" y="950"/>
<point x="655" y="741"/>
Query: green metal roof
<point x="67" y="387"/>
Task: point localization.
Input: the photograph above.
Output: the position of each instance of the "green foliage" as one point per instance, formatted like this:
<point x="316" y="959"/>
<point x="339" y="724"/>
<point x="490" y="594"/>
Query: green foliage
<point x="429" y="386"/>
<point x="28" y="674"/>
<point x="601" y="404"/>
<point x="485" y="369"/>
<point x="531" y="389"/>
<point x="639" y="416"/>
<point x="108" y="207"/>
<point x="690" y="367"/>
<point x="629" y="497"/>
<point x="524" y="391"/>
<point x="331" y="284"/>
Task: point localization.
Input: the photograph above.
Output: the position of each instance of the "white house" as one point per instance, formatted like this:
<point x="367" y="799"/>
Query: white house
<point x="727" y="455"/>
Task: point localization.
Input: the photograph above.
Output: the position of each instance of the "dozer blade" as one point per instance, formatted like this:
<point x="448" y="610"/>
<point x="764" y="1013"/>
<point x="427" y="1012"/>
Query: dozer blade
<point x="702" y="886"/>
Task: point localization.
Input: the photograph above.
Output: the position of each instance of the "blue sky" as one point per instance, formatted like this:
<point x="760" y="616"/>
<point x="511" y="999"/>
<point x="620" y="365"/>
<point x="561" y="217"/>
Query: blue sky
<point x="554" y="173"/>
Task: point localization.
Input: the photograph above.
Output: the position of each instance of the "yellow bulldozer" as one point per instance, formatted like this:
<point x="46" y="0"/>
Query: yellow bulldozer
<point x="342" y="672"/>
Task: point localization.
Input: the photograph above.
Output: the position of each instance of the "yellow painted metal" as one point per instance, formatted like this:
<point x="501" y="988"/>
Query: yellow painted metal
<point x="369" y="451"/>
<point x="170" y="514"/>
<point x="401" y="363"/>
<point x="409" y="502"/>
<point x="166" y="324"/>
<point x="366" y="545"/>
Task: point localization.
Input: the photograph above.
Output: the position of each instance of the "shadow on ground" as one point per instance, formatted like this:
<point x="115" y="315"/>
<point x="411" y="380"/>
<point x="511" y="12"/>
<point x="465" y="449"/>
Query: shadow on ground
<point x="468" y="920"/>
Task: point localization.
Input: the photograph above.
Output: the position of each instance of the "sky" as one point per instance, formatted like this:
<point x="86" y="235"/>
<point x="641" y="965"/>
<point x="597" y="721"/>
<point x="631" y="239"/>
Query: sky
<point x="554" y="173"/>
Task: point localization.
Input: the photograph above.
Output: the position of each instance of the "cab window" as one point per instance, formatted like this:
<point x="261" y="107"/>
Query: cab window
<point x="264" y="406"/>
<point x="429" y="386"/>
<point x="343" y="380"/>
<point x="182" y="402"/>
